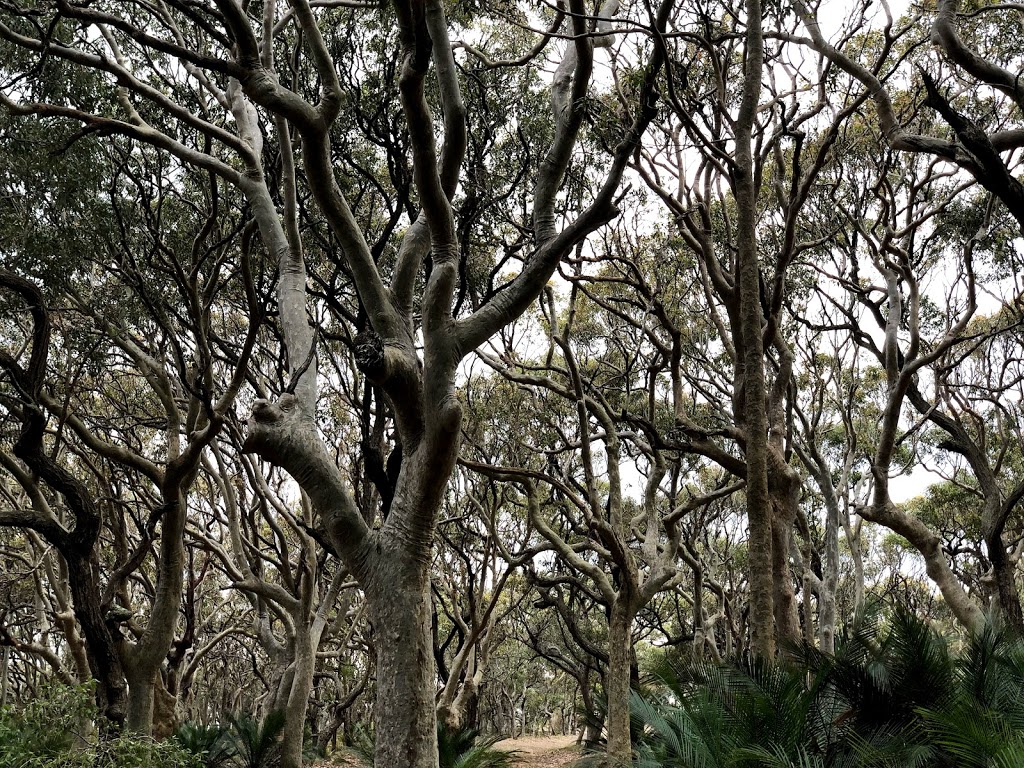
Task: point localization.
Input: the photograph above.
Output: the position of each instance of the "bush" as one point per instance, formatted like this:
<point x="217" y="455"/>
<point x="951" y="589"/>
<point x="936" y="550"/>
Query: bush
<point x="465" y="748"/>
<point x="47" y="728"/>
<point x="257" y="743"/>
<point x="58" y="730"/>
<point x="131" y="751"/>
<point x="211" y="744"/>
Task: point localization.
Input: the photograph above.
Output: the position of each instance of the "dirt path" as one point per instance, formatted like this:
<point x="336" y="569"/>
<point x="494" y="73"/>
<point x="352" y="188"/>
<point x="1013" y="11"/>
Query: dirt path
<point x="544" y="751"/>
<point x="534" y="752"/>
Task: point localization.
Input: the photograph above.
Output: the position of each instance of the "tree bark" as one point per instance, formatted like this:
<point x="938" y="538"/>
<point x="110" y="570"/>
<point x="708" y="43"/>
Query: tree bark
<point x="398" y="606"/>
<point x="143" y="659"/>
<point x="1004" y="572"/>
<point x="787" y="623"/>
<point x="141" y="687"/>
<point x="104" y="661"/>
<point x="751" y="395"/>
<point x="937" y="567"/>
<point x="784" y="603"/>
<point x="297" y="700"/>
<point x="617" y="682"/>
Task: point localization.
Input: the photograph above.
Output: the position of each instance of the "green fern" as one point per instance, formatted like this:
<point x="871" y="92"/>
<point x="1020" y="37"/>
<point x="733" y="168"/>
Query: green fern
<point x="212" y="744"/>
<point x="256" y="743"/>
<point x="894" y="695"/>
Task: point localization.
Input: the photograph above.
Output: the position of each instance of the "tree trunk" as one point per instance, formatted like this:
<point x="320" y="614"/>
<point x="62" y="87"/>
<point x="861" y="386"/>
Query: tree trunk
<point x="151" y="709"/>
<point x="399" y="608"/>
<point x="993" y="520"/>
<point x="104" y="662"/>
<point x="143" y="659"/>
<point x="5" y="663"/>
<point x="853" y="540"/>
<point x="751" y="389"/>
<point x="165" y="710"/>
<point x="140" y="701"/>
<point x="827" y="595"/>
<point x="451" y="705"/>
<point x="461" y="713"/>
<point x="787" y="623"/>
<point x="617" y="682"/>
<point x="1003" y="569"/>
<point x="925" y="541"/>
<point x="590" y="736"/>
<point x="296" y="701"/>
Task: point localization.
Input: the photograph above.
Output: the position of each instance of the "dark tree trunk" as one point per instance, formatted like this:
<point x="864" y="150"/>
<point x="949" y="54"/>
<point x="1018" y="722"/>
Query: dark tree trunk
<point x="104" y="662"/>
<point x="1003" y="570"/>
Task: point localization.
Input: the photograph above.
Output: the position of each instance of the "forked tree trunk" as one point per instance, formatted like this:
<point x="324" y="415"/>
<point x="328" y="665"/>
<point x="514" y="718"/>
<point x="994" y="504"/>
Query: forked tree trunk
<point x="391" y="565"/>
<point x="459" y="697"/>
<point x="143" y="659"/>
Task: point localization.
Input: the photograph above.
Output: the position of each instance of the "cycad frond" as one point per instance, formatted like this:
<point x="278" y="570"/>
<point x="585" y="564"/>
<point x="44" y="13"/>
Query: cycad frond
<point x="257" y="742"/>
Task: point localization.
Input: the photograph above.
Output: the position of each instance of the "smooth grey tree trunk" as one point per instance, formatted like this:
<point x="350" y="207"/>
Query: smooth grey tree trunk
<point x="398" y="606"/>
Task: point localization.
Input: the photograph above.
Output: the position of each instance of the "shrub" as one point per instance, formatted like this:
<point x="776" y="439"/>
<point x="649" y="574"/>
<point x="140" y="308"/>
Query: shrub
<point x="257" y="743"/>
<point x="57" y="730"/>
<point x="211" y="744"/>
<point x="465" y="748"/>
<point x="131" y="751"/>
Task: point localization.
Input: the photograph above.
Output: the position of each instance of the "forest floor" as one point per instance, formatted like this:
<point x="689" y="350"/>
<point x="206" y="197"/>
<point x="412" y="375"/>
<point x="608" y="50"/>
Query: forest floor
<point x="544" y="751"/>
<point x="534" y="752"/>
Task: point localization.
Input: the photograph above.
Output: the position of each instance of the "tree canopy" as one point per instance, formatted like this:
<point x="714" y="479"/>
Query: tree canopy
<point x="379" y="365"/>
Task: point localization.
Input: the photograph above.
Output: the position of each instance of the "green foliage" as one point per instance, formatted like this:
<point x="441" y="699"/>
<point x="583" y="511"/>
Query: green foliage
<point x="456" y="748"/>
<point x="464" y="748"/>
<point x="212" y="744"/>
<point x="48" y="726"/>
<point x="131" y="751"/>
<point x="894" y="694"/>
<point x="57" y="730"/>
<point x="951" y="507"/>
<point x="759" y="714"/>
<point x="257" y="743"/>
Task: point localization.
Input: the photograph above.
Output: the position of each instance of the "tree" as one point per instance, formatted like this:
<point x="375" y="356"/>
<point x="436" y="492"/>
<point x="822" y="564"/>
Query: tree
<point x="593" y="397"/>
<point x="175" y="404"/>
<point x="974" y="146"/>
<point x="219" y="60"/>
<point x="744" y="145"/>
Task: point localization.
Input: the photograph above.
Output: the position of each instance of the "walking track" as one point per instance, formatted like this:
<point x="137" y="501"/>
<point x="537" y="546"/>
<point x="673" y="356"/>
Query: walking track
<point x="544" y="751"/>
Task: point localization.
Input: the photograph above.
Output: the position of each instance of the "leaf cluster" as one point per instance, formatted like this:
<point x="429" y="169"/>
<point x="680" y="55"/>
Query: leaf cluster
<point x="57" y="730"/>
